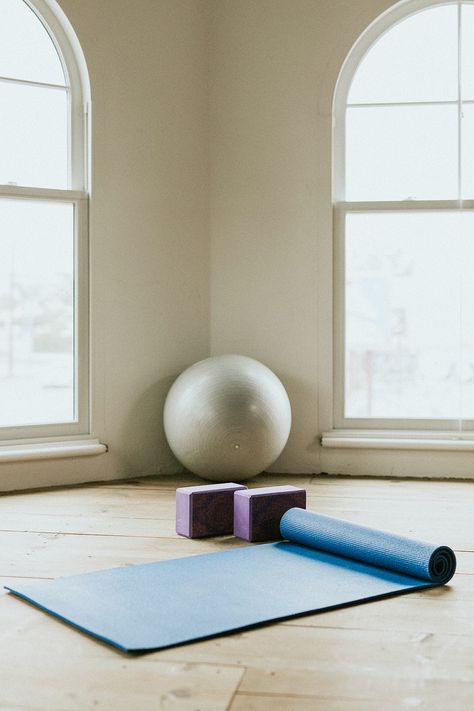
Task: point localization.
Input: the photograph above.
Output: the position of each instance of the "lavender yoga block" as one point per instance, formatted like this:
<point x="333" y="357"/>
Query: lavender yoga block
<point x="257" y="512"/>
<point x="206" y="510"/>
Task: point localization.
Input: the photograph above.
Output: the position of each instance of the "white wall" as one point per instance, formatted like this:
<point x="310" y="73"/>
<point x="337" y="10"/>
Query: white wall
<point x="274" y="65"/>
<point x="149" y="226"/>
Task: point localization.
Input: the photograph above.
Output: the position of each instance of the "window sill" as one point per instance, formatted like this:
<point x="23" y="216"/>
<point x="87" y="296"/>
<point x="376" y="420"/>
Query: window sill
<point x="350" y="439"/>
<point x="51" y="450"/>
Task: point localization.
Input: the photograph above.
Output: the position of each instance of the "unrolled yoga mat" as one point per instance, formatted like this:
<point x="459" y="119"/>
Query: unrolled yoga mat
<point x="325" y="563"/>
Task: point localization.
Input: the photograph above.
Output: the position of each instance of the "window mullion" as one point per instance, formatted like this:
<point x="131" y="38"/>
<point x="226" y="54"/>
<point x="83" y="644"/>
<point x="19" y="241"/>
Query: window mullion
<point x="39" y="84"/>
<point x="385" y="104"/>
<point x="397" y="205"/>
<point x="17" y="191"/>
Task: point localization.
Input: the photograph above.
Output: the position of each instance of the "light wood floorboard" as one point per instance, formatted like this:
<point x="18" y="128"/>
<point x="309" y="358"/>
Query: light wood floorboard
<point x="414" y="651"/>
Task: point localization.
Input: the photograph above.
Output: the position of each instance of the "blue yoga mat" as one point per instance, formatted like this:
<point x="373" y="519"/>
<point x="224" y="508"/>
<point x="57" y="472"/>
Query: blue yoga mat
<point x="324" y="563"/>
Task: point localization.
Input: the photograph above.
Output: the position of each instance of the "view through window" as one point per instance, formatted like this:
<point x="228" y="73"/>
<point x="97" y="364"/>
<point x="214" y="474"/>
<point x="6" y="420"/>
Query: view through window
<point x="407" y="225"/>
<point x="40" y="233"/>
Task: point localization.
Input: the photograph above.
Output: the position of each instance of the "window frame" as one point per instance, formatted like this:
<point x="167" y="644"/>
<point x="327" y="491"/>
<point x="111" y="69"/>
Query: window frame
<point x="376" y="427"/>
<point x="78" y="92"/>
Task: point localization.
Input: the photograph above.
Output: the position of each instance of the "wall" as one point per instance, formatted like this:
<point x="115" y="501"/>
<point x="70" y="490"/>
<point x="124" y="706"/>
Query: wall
<point x="149" y="226"/>
<point x="274" y="66"/>
<point x="243" y="89"/>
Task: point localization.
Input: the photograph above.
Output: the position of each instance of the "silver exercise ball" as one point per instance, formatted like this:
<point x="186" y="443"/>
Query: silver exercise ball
<point x="227" y="418"/>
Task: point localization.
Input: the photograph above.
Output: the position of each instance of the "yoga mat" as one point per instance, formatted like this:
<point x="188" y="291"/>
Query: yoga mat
<point x="325" y="563"/>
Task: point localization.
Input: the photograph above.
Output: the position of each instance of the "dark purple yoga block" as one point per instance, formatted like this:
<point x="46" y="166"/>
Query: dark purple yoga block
<point x="206" y="510"/>
<point x="257" y="512"/>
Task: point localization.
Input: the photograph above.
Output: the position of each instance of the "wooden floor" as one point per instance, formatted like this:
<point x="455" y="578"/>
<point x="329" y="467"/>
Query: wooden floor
<point x="411" y="652"/>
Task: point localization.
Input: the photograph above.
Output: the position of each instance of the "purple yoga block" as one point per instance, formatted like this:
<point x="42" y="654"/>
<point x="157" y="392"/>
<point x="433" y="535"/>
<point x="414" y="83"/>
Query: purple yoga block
<point x="257" y="512"/>
<point x="206" y="510"/>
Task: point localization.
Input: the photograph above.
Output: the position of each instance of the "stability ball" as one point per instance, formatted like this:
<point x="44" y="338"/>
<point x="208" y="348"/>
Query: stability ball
<point x="227" y="418"/>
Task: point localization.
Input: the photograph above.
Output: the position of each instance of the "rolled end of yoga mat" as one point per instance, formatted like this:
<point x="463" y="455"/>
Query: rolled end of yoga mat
<point x="426" y="561"/>
<point x="442" y="565"/>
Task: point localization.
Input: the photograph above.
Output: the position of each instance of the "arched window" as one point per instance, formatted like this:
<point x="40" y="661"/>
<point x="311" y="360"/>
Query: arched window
<point x="404" y="222"/>
<point x="43" y="223"/>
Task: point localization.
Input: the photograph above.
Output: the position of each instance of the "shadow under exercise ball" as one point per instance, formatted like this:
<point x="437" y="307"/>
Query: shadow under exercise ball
<point x="227" y="417"/>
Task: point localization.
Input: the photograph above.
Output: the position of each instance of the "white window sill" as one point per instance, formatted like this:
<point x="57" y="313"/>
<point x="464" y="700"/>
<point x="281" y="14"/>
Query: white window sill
<point x="51" y="450"/>
<point x="350" y="439"/>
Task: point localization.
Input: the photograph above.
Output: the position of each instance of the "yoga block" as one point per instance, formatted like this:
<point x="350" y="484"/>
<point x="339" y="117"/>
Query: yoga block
<point x="257" y="512"/>
<point x="206" y="510"/>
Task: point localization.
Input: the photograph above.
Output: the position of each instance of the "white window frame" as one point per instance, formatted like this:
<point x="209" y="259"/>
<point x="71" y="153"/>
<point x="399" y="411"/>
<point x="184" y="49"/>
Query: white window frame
<point x="78" y="91"/>
<point x="354" y="431"/>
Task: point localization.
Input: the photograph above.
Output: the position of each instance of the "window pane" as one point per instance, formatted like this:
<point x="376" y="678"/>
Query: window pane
<point x="36" y="312"/>
<point x="401" y="153"/>
<point x="409" y="315"/>
<point x="26" y="49"/>
<point x="466" y="232"/>
<point x="33" y="136"/>
<point x="467" y="123"/>
<point x="467" y="44"/>
<point x="414" y="61"/>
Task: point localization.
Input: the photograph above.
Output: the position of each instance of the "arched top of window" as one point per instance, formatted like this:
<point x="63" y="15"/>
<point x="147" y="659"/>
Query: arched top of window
<point x="44" y="90"/>
<point x="404" y="107"/>
<point x="27" y="51"/>
<point x="414" y="60"/>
